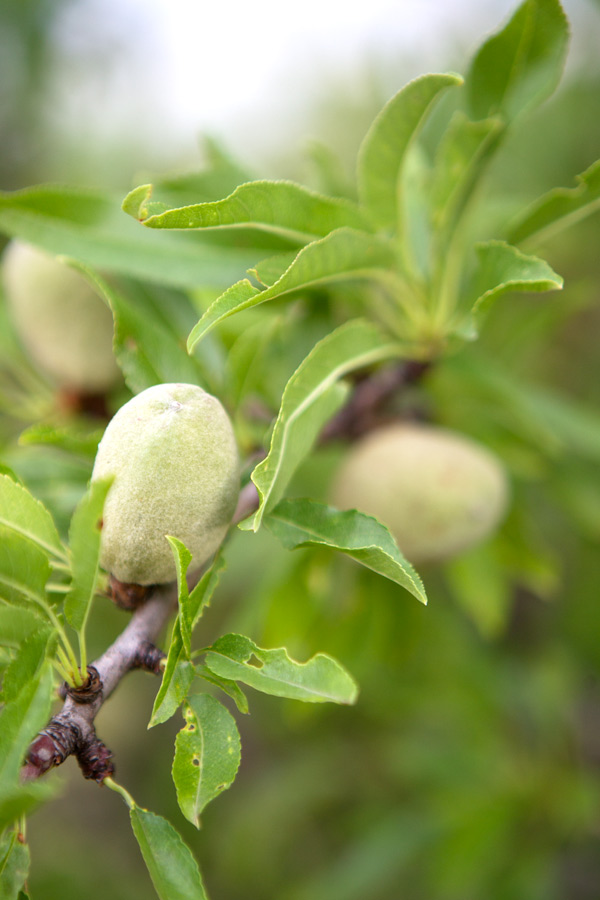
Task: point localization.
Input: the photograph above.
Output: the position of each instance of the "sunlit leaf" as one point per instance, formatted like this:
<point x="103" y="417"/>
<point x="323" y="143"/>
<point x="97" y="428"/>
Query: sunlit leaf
<point x="84" y="540"/>
<point x="20" y="511"/>
<point x="520" y="65"/>
<point x="344" y="254"/>
<point x="311" y="397"/>
<point x="384" y="148"/>
<point x="319" y="680"/>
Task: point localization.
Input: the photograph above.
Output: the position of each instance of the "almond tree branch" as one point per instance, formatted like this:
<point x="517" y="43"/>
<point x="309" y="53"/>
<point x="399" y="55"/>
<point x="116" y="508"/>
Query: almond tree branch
<point x="72" y="730"/>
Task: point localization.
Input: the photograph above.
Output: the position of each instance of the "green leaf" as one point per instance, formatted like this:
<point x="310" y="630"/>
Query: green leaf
<point x="502" y="268"/>
<point x="18" y="800"/>
<point x="27" y="516"/>
<point x="306" y="523"/>
<point x="519" y="66"/>
<point x="230" y="688"/>
<point x="483" y="589"/>
<point x="74" y="437"/>
<point x="319" y="680"/>
<point x="17" y="623"/>
<point x="179" y="671"/>
<point x="344" y="254"/>
<point x="280" y="207"/>
<point x="383" y="150"/>
<point x="459" y="162"/>
<point x="173" y="869"/>
<point x="14" y="865"/>
<point x="25" y="664"/>
<point x="559" y="208"/>
<point x="20" y="721"/>
<point x="311" y="397"/>
<point x="89" y="225"/>
<point x="24" y="569"/>
<point x="148" y="349"/>
<point x="207" y="755"/>
<point x="84" y="538"/>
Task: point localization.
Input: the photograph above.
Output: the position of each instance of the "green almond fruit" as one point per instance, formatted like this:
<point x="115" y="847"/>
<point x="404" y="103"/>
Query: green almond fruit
<point x="438" y="492"/>
<point x="173" y="456"/>
<point x="64" y="325"/>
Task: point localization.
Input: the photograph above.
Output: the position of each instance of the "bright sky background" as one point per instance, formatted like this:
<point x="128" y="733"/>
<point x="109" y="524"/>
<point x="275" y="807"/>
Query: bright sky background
<point x="250" y="71"/>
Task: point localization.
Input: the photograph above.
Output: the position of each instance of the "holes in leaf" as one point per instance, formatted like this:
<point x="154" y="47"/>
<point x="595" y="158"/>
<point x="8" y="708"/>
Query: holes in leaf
<point x="255" y="662"/>
<point x="191" y="727"/>
<point x="195" y="760"/>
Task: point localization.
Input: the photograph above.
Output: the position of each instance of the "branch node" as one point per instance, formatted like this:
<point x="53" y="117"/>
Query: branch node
<point x="148" y="657"/>
<point x="94" y="758"/>
<point x="87" y="692"/>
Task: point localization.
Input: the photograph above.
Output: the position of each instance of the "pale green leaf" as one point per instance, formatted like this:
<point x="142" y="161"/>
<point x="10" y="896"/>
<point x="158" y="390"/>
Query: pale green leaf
<point x="17" y="623"/>
<point x="519" y="66"/>
<point x="207" y="755"/>
<point x="182" y="558"/>
<point x="383" y="150"/>
<point x="230" y="688"/>
<point x="173" y="869"/>
<point x="14" y="865"/>
<point x="89" y="225"/>
<point x="458" y="164"/>
<point x="24" y="569"/>
<point x="84" y="539"/>
<point x="25" y="664"/>
<point x="280" y="207"/>
<point x="20" y="511"/>
<point x="311" y="397"/>
<point x="344" y="254"/>
<point x="559" y="208"/>
<point x="306" y="523"/>
<point x="502" y="268"/>
<point x="74" y="438"/>
<point x="319" y="680"/>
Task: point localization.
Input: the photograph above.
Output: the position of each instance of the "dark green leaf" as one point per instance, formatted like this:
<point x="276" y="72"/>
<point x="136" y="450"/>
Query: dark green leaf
<point x="319" y="680"/>
<point x="84" y="538"/>
<point x="28" y="517"/>
<point x="207" y="755"/>
<point x="282" y="207"/>
<point x="384" y="148"/>
<point x="559" y="208"/>
<point x="342" y="255"/>
<point x="311" y="397"/>
<point x="173" y="869"/>
<point x="519" y="66"/>
<point x="306" y="523"/>
<point x="502" y="268"/>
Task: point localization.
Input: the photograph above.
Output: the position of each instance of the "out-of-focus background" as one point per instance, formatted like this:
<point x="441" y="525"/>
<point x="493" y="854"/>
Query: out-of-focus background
<point x="470" y="767"/>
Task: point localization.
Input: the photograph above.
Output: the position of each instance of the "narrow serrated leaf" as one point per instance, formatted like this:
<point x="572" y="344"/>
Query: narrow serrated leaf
<point x="320" y="680"/>
<point x="228" y="687"/>
<point x="173" y="869"/>
<point x="207" y="755"/>
<point x="305" y="523"/>
<point x="17" y="623"/>
<point x="280" y="207"/>
<point x="84" y="539"/>
<point x="559" y="208"/>
<point x="521" y="64"/>
<point x="311" y="397"/>
<point x="502" y="268"/>
<point x="383" y="150"/>
<point x="342" y="255"/>
<point x="26" y="663"/>
<point x="21" y="512"/>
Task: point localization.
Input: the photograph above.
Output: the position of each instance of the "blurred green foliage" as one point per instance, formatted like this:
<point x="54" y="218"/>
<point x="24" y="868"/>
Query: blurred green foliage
<point x="470" y="767"/>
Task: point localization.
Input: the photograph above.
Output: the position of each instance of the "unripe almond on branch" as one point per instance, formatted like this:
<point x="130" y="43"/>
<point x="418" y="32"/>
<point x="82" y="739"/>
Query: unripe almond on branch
<point x="438" y="492"/>
<point x="173" y="456"/>
<point x="64" y="325"/>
